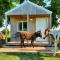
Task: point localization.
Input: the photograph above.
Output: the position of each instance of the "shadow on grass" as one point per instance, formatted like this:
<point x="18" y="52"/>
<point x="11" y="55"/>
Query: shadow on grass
<point x="27" y="56"/>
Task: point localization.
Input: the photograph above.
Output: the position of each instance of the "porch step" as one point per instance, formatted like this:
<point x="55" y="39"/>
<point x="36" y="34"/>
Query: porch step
<point x="18" y="43"/>
<point x="36" y="44"/>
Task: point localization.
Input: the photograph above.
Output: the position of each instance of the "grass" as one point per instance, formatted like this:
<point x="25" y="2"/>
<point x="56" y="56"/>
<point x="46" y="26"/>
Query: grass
<point x="26" y="56"/>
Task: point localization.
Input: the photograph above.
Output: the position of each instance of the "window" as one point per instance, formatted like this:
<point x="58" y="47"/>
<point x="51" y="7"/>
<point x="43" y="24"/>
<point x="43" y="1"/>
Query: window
<point x="22" y="26"/>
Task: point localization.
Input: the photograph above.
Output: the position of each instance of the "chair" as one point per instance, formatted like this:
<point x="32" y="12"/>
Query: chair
<point x="16" y="36"/>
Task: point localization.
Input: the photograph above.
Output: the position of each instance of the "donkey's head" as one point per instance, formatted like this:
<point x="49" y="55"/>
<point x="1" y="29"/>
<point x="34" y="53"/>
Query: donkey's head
<point x="38" y="34"/>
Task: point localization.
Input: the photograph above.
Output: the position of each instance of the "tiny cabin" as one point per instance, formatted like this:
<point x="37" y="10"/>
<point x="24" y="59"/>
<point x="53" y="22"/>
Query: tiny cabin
<point x="29" y="16"/>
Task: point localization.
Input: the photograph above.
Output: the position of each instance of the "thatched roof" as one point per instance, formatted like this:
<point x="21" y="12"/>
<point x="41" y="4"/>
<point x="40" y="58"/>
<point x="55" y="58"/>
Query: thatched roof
<point x="28" y="7"/>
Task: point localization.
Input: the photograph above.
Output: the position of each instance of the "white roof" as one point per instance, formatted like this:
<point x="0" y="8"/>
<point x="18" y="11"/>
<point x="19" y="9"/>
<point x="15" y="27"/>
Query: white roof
<point x="28" y="7"/>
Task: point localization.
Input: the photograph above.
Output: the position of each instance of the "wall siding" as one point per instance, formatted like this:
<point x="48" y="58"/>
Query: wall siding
<point x="13" y="28"/>
<point x="32" y="23"/>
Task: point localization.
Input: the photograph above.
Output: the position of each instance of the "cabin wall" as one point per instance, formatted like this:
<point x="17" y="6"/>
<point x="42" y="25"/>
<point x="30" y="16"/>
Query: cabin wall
<point x="13" y="28"/>
<point x="32" y="23"/>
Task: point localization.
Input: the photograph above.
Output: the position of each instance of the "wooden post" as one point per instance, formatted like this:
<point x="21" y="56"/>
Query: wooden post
<point x="6" y="27"/>
<point x="27" y="22"/>
<point x="50" y="20"/>
<point x="55" y="46"/>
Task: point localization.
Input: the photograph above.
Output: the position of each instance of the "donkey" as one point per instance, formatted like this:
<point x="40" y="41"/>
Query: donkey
<point x="29" y="36"/>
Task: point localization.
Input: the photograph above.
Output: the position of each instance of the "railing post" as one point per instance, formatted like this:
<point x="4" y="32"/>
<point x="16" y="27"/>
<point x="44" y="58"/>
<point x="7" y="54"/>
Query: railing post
<point x="27" y="22"/>
<point x="55" y="46"/>
<point x="6" y="27"/>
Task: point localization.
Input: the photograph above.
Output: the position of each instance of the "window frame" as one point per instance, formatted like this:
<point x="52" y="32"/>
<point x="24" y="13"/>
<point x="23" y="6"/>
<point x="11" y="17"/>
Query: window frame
<point x="18" y="26"/>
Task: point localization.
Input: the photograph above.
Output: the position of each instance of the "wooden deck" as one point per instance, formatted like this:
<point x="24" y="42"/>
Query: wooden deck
<point x="27" y="49"/>
<point x="35" y="43"/>
<point x="38" y="47"/>
<point x="30" y="50"/>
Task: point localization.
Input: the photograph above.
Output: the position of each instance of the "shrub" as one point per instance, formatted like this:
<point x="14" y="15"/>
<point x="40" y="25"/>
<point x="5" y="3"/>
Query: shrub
<point x="4" y="31"/>
<point x="2" y="42"/>
<point x="58" y="45"/>
<point x="9" y="39"/>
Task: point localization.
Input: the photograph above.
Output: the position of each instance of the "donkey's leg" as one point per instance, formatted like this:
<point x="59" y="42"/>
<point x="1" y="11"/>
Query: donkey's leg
<point x="21" y="44"/>
<point x="27" y="43"/>
<point x="32" y="43"/>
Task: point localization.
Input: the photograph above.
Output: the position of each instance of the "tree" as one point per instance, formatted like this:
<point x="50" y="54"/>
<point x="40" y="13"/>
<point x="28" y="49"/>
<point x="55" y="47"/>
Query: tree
<point x="53" y="8"/>
<point x="18" y="1"/>
<point x="58" y="7"/>
<point x="39" y="2"/>
<point x="5" y="5"/>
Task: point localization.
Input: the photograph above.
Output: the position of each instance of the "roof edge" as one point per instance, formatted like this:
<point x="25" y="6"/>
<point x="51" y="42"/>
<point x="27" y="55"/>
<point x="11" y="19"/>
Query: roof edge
<point x="49" y="12"/>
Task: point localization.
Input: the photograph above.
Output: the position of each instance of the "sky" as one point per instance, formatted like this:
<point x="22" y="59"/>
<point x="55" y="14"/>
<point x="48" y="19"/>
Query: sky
<point x="47" y="2"/>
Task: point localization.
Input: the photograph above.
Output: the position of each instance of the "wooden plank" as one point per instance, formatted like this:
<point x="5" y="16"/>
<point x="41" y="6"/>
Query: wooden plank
<point x="35" y="43"/>
<point x="27" y="49"/>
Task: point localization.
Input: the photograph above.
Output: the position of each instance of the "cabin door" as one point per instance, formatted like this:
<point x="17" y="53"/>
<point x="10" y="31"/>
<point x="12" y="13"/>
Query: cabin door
<point x="41" y="25"/>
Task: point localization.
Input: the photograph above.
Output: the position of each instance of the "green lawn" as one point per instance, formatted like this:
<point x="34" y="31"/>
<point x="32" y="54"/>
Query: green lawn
<point x="26" y="56"/>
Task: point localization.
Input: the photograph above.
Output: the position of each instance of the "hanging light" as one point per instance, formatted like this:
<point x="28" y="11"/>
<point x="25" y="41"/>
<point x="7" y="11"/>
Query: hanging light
<point x="31" y="19"/>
